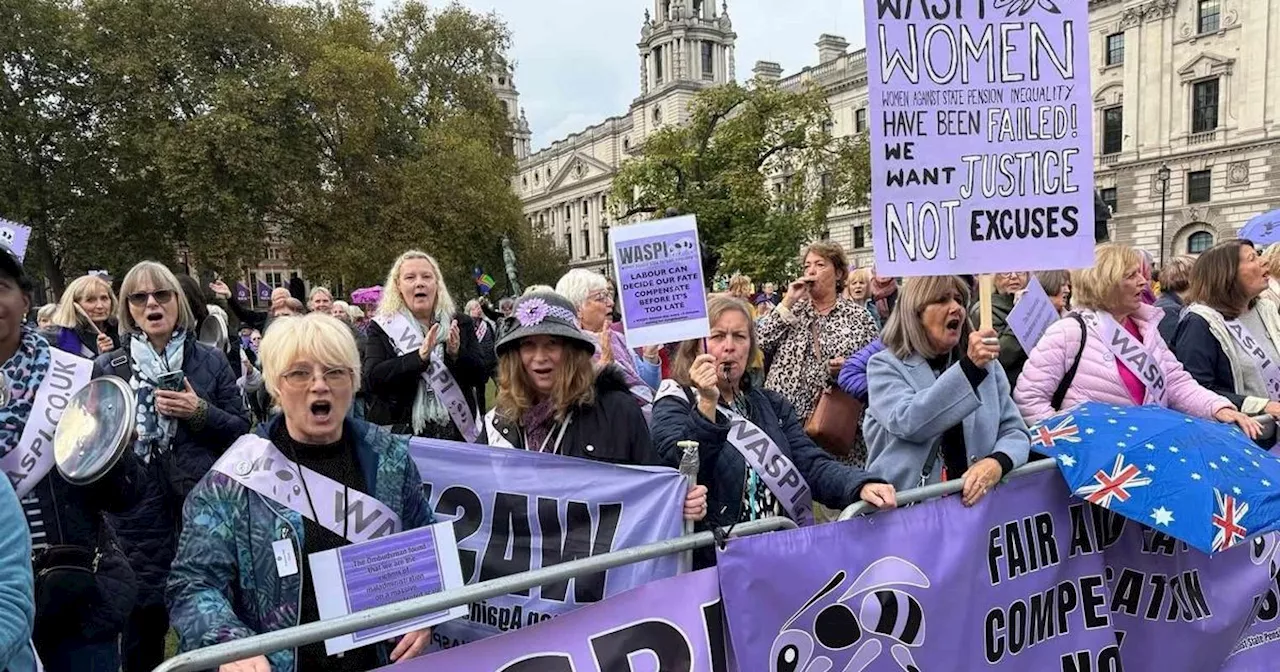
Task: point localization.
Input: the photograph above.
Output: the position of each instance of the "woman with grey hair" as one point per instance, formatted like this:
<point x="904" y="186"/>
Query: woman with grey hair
<point x="939" y="406"/>
<point x="189" y="411"/>
<point x="592" y="298"/>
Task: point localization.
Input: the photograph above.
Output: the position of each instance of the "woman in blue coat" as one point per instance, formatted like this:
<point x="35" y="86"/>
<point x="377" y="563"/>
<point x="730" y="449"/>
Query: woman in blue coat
<point x="711" y="396"/>
<point x="226" y="584"/>
<point x="189" y="412"/>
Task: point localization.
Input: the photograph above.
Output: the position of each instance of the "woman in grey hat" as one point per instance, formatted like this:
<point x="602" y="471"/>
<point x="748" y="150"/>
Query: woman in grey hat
<point x="552" y="398"/>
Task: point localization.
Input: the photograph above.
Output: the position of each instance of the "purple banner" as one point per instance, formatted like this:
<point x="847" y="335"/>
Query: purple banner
<point x="264" y="292"/>
<point x="1029" y="579"/>
<point x="386" y="571"/>
<point x="15" y="237"/>
<point x="242" y="293"/>
<point x="666" y="626"/>
<point x="517" y="510"/>
<point x="981" y="135"/>
<point x="660" y="282"/>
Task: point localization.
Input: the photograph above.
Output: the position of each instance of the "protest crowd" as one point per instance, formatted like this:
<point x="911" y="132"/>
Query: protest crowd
<point x="864" y="385"/>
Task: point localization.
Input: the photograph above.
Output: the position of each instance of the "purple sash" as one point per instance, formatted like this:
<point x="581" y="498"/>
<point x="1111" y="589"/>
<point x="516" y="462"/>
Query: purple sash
<point x="408" y="339"/>
<point x="764" y="457"/>
<point x="1266" y="366"/>
<point x="255" y="463"/>
<point x="1130" y="352"/>
<point x="32" y="459"/>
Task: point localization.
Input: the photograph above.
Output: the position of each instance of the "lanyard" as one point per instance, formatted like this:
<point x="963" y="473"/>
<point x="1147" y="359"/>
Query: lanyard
<point x="555" y="450"/>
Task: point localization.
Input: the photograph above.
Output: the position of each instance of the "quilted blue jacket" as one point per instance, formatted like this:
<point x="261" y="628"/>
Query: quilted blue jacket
<point x="224" y="584"/>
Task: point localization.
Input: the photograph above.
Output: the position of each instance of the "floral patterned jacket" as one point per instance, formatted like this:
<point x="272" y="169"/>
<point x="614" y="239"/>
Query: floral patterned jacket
<point x="224" y="584"/>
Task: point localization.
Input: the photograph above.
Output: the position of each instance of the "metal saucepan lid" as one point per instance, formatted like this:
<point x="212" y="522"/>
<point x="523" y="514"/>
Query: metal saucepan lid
<point x="95" y="429"/>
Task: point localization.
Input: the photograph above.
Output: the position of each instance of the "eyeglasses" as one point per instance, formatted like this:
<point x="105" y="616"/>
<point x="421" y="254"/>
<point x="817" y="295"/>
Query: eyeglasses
<point x="140" y="299"/>
<point x="601" y="296"/>
<point x="299" y="378"/>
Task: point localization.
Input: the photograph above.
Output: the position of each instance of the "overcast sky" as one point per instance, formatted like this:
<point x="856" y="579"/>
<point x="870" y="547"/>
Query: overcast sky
<point x="577" y="62"/>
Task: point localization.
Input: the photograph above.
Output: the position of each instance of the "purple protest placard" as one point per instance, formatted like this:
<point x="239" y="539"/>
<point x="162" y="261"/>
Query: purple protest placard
<point x="1028" y="579"/>
<point x="242" y="293"/>
<point x="673" y="624"/>
<point x="15" y="237"/>
<point x="981" y="136"/>
<point x="384" y="571"/>
<point x="660" y="287"/>
<point x="264" y="292"/>
<point x="1033" y="314"/>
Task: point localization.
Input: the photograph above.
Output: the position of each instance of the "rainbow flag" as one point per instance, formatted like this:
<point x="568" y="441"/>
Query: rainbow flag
<point x="484" y="281"/>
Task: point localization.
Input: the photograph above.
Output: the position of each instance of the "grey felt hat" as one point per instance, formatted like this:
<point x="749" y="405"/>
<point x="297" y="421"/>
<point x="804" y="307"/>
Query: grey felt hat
<point x="543" y="314"/>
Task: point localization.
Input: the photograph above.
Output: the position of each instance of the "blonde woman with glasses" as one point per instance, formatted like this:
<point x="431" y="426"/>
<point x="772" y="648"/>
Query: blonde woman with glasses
<point x="225" y="584"/>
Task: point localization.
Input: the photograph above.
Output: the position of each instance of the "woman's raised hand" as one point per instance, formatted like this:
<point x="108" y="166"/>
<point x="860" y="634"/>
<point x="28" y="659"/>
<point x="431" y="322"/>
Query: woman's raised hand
<point x="429" y="343"/>
<point x="705" y="376"/>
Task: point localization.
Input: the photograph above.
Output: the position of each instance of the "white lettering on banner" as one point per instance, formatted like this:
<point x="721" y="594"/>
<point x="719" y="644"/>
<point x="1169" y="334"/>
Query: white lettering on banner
<point x="1266" y="366"/>
<point x="437" y="375"/>
<point x="32" y="459"/>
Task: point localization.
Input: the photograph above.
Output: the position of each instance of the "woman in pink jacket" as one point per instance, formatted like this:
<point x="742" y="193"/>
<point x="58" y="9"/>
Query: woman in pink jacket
<point x="1122" y="359"/>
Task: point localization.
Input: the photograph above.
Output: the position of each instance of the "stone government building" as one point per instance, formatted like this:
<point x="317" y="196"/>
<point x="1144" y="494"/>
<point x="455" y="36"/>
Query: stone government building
<point x="1191" y="84"/>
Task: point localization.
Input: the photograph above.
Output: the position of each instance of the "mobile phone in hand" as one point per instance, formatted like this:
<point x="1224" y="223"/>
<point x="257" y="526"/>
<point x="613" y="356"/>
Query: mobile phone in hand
<point x="173" y="381"/>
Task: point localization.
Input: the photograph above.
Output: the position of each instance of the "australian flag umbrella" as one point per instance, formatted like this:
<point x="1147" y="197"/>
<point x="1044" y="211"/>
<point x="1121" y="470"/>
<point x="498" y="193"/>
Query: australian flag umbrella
<point x="1263" y="229"/>
<point x="1198" y="481"/>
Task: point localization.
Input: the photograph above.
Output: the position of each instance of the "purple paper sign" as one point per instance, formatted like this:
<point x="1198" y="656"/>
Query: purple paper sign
<point x="242" y="293"/>
<point x="1032" y="316"/>
<point x="390" y="570"/>
<point x="264" y="292"/>
<point x="673" y="624"/>
<point x="659" y="267"/>
<point x="15" y="237"/>
<point x="981" y="136"/>
<point x="1028" y="579"/>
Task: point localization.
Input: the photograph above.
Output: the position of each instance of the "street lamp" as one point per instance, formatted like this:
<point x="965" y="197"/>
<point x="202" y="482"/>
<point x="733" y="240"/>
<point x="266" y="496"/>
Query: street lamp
<point x="1163" y="176"/>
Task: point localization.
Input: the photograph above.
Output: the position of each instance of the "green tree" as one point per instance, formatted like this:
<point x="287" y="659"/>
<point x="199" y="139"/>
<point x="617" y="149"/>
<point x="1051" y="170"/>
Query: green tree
<point x="759" y="167"/>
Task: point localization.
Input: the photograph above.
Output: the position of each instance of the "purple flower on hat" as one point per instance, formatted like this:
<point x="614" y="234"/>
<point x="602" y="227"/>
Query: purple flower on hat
<point x="531" y="312"/>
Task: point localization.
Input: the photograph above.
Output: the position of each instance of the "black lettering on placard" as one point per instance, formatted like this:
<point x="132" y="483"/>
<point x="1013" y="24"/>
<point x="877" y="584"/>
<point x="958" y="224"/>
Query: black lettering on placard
<point x="583" y="539"/>
<point x="463" y="503"/>
<point x="508" y="551"/>
<point x="543" y="662"/>
<point x="667" y="647"/>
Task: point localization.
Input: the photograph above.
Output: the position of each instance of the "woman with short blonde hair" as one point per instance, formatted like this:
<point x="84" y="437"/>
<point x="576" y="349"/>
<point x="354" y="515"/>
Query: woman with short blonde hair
<point x="320" y="300"/>
<point x="83" y="323"/>
<point x="312" y="370"/>
<point x="1113" y="319"/>
<point x="415" y="332"/>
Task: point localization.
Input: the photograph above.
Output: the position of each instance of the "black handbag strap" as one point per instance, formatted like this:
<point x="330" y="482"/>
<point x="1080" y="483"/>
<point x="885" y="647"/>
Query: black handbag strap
<point x="1060" y="394"/>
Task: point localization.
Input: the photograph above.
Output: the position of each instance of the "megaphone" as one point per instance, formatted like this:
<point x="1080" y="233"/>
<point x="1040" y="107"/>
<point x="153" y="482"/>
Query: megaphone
<point x="95" y="430"/>
<point x="213" y="332"/>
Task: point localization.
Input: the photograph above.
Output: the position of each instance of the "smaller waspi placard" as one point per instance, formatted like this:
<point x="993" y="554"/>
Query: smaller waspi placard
<point x="384" y="571"/>
<point x="660" y="286"/>
<point x="1032" y="316"/>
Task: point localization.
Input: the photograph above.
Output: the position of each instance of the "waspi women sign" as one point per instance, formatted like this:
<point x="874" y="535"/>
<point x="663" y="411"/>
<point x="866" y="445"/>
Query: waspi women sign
<point x="981" y="135"/>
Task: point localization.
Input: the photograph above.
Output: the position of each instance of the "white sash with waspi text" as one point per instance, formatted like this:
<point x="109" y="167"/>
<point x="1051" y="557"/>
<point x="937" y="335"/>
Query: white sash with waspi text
<point x="1129" y="351"/>
<point x="1266" y="366"/>
<point x="407" y="339"/>
<point x="257" y="464"/>
<point x="764" y="457"/>
<point x="32" y="459"/>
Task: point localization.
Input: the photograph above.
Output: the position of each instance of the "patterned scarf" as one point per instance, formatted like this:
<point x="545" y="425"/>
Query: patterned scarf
<point x="881" y="290"/>
<point x="23" y="373"/>
<point x="537" y="423"/>
<point x="427" y="410"/>
<point x="155" y="432"/>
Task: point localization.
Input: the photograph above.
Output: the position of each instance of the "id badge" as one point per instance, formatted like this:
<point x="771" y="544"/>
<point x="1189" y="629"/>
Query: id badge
<point x="286" y="559"/>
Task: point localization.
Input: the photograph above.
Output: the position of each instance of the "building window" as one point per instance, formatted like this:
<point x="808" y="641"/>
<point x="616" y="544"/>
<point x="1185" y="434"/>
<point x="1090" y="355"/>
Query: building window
<point x="859" y="237"/>
<point x="568" y="213"/>
<point x="524" y="182"/>
<point x="708" y="60"/>
<point x="568" y="243"/>
<point x="1198" y="186"/>
<point x="657" y="65"/>
<point x="1115" y="49"/>
<point x="1209" y="16"/>
<point x="604" y="239"/>
<point x="860" y="120"/>
<point x="1112" y="130"/>
<point x="586" y="244"/>
<point x="1199" y="241"/>
<point x="586" y="212"/>
<point x="1109" y="197"/>
<point x="1204" y="106"/>
<point x="657" y="115"/>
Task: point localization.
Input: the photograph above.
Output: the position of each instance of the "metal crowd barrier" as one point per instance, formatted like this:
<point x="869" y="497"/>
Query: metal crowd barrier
<point x="211" y="657"/>
<point x="917" y="495"/>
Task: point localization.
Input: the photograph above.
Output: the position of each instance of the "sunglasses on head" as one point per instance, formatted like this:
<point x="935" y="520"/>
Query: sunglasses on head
<point x="140" y="298"/>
